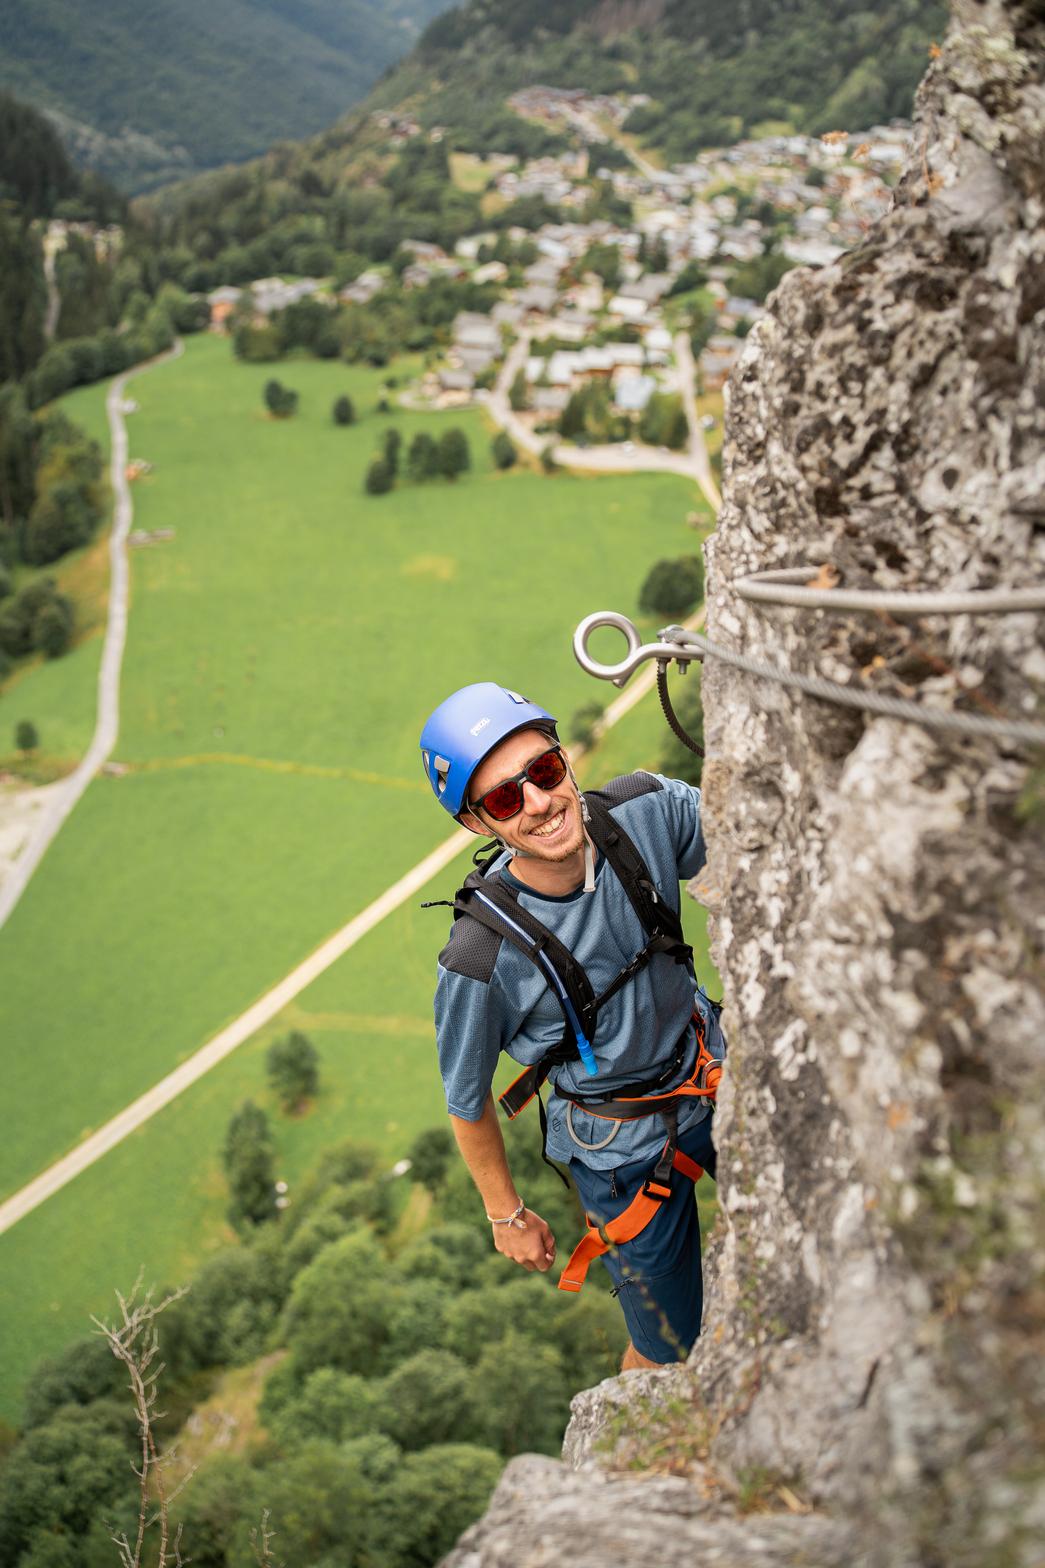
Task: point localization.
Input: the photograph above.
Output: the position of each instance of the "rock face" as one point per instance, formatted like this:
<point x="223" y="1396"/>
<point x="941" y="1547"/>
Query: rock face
<point x="870" y="1384"/>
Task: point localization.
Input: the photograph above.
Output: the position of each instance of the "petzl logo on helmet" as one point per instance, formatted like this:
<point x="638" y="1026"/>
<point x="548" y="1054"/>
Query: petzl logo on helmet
<point x="475" y="729"/>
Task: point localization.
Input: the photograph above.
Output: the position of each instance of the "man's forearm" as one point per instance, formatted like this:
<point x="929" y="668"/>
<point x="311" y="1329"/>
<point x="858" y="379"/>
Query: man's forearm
<point x="482" y="1149"/>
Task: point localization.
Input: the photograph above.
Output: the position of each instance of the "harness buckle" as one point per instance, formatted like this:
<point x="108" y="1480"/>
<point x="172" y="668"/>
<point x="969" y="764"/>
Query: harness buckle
<point x="659" y="1191"/>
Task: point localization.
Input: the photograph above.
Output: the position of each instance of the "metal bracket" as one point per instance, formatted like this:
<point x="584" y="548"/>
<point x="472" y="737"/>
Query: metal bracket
<point x="675" y="643"/>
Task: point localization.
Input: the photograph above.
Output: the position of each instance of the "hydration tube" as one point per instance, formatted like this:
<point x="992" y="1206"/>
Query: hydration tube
<point x="583" y="1044"/>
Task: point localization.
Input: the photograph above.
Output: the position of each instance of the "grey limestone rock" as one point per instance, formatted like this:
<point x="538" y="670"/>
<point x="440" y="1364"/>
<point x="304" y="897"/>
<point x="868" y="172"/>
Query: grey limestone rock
<point x="873" y="1342"/>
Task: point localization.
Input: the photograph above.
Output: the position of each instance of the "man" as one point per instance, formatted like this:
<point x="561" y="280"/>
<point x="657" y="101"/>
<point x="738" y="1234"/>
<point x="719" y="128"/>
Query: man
<point x="494" y="763"/>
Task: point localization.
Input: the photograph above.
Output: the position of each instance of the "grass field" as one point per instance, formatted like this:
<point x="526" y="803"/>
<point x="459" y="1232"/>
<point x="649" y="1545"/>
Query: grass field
<point x="157" y="1202"/>
<point x="283" y="650"/>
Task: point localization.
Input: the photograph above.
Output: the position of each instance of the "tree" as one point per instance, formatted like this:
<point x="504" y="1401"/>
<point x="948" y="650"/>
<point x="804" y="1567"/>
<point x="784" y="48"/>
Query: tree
<point x="673" y="587"/>
<point x="454" y="454"/>
<point x="248" y="1161"/>
<point x="280" y="401"/>
<point x="344" y="411"/>
<point x="320" y="1505"/>
<point x="392" y="441"/>
<point x="27" y="737"/>
<point x="428" y="1500"/>
<point x="338" y="1309"/>
<point x="548" y="462"/>
<point x="503" y="448"/>
<point x="53" y="627"/>
<point x="379" y="478"/>
<point x="425" y="1400"/>
<point x="520" y="1415"/>
<point x="333" y="1405"/>
<point x="293" y="1069"/>
<point x="518" y="392"/>
<point x="422" y="459"/>
<point x="429" y="1155"/>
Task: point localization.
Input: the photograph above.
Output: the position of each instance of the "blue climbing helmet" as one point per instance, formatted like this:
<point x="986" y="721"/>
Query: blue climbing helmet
<point x="465" y="728"/>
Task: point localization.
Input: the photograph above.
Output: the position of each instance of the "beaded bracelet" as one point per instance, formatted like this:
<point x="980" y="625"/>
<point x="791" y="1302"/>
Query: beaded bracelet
<point x="512" y="1219"/>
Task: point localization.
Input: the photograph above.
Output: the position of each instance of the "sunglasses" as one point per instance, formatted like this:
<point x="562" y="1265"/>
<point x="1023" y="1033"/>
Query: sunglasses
<point x="506" y="798"/>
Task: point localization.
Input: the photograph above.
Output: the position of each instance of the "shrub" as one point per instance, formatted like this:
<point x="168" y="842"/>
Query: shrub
<point x="454" y="454"/>
<point x="344" y="411"/>
<point x="503" y="448"/>
<point x="27" y="737"/>
<point x="280" y="401"/>
<point x="422" y="459"/>
<point x="378" y="478"/>
<point x="247" y="1157"/>
<point x="61" y="519"/>
<point x="391" y="443"/>
<point x="293" y="1069"/>
<point x="53" y="627"/>
<point x="673" y="587"/>
<point x="429" y="1155"/>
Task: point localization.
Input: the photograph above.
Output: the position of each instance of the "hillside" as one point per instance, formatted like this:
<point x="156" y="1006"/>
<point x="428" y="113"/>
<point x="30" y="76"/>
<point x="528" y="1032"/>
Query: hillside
<point x="146" y="94"/>
<point x="713" y="74"/>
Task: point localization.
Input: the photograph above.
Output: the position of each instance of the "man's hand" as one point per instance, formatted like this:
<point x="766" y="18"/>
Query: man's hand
<point x="533" y="1248"/>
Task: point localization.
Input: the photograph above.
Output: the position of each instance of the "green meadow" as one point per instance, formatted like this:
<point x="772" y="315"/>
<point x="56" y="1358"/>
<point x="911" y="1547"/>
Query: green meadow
<point x="284" y="647"/>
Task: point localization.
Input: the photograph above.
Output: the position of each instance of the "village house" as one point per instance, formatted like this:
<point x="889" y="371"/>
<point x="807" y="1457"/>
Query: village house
<point x="223" y="302"/>
<point x="631" y="393"/>
<point x="363" y="289"/>
<point x="272" y="294"/>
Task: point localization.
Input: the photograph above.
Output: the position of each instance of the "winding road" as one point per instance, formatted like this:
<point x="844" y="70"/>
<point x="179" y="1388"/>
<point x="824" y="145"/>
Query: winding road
<point x="56" y="801"/>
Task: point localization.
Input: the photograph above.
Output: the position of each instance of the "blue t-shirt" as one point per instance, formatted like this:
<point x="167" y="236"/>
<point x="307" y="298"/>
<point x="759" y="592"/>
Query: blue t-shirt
<point x="491" y="998"/>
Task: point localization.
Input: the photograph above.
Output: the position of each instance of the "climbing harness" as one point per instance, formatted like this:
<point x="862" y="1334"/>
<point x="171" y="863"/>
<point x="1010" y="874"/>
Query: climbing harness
<point x="790" y="586"/>
<point x="488" y="900"/>
<point x="644" y="1207"/>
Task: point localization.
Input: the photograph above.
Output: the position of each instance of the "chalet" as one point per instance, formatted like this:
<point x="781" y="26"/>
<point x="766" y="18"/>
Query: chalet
<point x="363" y="289"/>
<point x="272" y="294"/>
<point x="222" y="303"/>
<point x="537" y="299"/>
<point x="631" y="393"/>
<point x="549" y="400"/>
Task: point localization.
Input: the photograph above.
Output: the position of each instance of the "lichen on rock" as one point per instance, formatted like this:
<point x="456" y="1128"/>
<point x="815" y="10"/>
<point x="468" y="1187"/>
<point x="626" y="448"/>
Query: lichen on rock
<point x="870" y="1383"/>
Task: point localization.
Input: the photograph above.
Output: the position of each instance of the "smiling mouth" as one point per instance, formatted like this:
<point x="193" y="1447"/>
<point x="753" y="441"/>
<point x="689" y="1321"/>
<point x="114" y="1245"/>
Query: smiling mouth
<point x="551" y="827"/>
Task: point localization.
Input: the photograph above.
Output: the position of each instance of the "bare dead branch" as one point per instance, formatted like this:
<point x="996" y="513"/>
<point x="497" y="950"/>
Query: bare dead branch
<point x="134" y="1341"/>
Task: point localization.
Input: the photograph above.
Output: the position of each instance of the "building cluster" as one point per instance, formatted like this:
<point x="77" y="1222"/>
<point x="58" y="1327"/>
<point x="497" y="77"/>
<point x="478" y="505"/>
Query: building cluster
<point x="804" y="198"/>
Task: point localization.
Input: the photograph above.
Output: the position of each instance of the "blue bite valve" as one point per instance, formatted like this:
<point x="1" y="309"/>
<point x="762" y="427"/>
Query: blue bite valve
<point x="587" y="1056"/>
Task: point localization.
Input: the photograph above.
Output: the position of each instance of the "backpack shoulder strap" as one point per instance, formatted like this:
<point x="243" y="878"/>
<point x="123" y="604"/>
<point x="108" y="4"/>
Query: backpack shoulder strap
<point x="493" y="905"/>
<point x="658" y="919"/>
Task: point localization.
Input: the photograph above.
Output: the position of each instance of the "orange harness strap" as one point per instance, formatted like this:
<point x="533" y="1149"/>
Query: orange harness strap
<point x="642" y="1208"/>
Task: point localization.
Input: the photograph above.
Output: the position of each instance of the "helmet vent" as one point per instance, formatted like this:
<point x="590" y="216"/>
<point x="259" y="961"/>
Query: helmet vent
<point x="442" y="768"/>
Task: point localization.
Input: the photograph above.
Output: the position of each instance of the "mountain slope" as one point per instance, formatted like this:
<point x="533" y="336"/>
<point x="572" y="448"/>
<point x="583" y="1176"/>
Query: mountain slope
<point x="146" y="92"/>
<point x="713" y="73"/>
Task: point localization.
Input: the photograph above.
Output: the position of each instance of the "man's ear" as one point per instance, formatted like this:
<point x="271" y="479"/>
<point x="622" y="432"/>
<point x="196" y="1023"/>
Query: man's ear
<point x="472" y="823"/>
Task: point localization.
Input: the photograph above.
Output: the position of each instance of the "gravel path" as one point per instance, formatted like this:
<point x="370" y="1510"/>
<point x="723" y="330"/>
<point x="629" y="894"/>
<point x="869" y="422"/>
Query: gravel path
<point x="41" y="821"/>
<point x="267" y="1007"/>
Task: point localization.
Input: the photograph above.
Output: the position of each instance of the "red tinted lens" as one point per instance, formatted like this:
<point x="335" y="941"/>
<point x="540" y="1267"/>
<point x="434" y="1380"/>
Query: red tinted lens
<point x="504" y="801"/>
<point x="548" y="770"/>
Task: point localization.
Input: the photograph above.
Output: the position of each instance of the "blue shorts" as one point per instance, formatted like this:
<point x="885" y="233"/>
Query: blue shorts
<point x="656" y="1276"/>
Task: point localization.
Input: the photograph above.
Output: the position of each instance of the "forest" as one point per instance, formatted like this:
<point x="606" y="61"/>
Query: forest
<point x="396" y="1362"/>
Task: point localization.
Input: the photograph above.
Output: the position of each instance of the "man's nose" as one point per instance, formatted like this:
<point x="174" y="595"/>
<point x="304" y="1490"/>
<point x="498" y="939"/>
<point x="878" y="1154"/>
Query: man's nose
<point x="535" y="800"/>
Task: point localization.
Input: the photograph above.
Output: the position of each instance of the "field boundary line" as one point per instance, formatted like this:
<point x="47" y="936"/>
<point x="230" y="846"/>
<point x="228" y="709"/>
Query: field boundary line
<point x="64" y="795"/>
<point x="135" y="1115"/>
